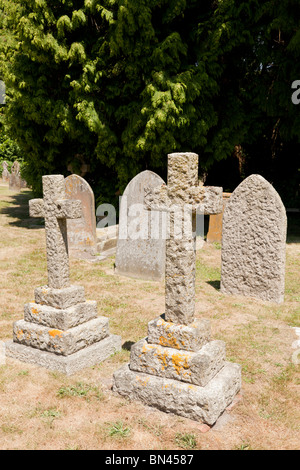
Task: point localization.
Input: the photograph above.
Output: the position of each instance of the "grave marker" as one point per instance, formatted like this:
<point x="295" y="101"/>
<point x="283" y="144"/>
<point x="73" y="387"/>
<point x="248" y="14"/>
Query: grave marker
<point x="177" y="368"/>
<point x="61" y="330"/>
<point x="82" y="238"/>
<point x="5" y="172"/>
<point x="15" y="180"/>
<point x="141" y="242"/>
<point x="254" y="242"/>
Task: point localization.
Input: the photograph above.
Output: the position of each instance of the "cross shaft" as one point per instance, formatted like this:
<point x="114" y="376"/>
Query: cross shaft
<point x="56" y="209"/>
<point x="182" y="198"/>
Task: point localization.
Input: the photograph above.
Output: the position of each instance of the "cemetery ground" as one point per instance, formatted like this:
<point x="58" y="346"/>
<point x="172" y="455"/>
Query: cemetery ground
<point x="40" y="409"/>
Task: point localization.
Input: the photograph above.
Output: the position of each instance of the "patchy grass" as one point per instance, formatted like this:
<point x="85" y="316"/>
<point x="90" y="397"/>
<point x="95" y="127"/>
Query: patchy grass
<point x="186" y="440"/>
<point x="40" y="409"/>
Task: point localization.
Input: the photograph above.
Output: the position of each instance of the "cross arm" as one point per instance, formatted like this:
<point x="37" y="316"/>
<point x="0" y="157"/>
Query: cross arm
<point x="213" y="200"/>
<point x="68" y="209"/>
<point x="156" y="199"/>
<point x="36" y="208"/>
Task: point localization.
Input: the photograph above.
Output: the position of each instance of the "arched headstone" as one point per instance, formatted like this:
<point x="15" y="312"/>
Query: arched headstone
<point x="254" y="242"/>
<point x="82" y="239"/>
<point x="5" y="172"/>
<point x="141" y="244"/>
<point x="15" y="180"/>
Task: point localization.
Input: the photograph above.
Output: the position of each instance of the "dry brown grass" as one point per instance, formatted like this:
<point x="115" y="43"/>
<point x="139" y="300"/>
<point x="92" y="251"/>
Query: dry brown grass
<point x="40" y="409"/>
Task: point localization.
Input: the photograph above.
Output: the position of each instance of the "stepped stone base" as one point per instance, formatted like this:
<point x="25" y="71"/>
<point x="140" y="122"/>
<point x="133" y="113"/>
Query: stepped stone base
<point x="187" y="337"/>
<point x="194" y="367"/>
<point x="59" y="298"/>
<point x="60" y="341"/>
<point x="62" y="319"/>
<point x="61" y="331"/>
<point x="203" y="404"/>
<point x="179" y="369"/>
<point x="87" y="357"/>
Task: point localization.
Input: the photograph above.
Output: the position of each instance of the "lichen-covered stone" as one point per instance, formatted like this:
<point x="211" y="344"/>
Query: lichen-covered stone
<point x="55" y="208"/>
<point x="254" y="242"/>
<point x="87" y="357"/>
<point x="62" y="319"/>
<point x="213" y="200"/>
<point x="182" y="197"/>
<point x="187" y="337"/>
<point x="59" y="341"/>
<point x="187" y="366"/>
<point x="196" y="384"/>
<point x="60" y="330"/>
<point x="203" y="404"/>
<point x="59" y="298"/>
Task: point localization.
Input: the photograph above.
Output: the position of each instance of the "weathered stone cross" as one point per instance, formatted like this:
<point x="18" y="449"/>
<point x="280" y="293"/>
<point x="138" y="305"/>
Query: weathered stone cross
<point x="56" y="209"/>
<point x="182" y="195"/>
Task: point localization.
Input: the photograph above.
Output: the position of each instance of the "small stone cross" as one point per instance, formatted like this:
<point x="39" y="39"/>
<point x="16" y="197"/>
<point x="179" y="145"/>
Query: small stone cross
<point x="182" y="195"/>
<point x="56" y="209"/>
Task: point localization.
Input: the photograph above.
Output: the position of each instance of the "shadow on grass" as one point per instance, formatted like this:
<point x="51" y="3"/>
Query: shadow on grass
<point x="127" y="345"/>
<point x="18" y="210"/>
<point x="215" y="284"/>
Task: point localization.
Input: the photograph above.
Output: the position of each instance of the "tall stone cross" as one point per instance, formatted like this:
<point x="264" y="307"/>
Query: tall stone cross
<point x="182" y="198"/>
<point x="56" y="209"/>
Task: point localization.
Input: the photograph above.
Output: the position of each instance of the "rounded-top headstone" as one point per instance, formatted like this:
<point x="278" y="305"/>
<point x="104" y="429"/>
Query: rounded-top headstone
<point x="254" y="242"/>
<point x="141" y="245"/>
<point x="82" y="236"/>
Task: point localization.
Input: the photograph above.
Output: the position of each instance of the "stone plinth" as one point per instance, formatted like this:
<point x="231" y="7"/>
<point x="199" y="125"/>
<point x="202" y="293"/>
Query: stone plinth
<point x="65" y="339"/>
<point x="198" y="385"/>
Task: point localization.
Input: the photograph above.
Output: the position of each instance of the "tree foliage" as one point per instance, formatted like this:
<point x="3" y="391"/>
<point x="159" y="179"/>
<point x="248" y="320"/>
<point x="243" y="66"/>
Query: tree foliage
<point x="118" y="84"/>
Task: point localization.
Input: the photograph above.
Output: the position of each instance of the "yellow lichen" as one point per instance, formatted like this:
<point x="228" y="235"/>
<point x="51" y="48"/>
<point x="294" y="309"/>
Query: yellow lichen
<point x="170" y="341"/>
<point x="180" y="363"/>
<point x="20" y="333"/>
<point x="142" y="381"/>
<point x="54" y="333"/>
<point x="162" y="357"/>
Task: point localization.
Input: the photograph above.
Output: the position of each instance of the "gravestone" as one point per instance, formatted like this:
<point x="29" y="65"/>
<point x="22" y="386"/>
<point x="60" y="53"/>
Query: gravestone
<point x="141" y="242"/>
<point x="178" y="368"/>
<point x="61" y="330"/>
<point x="15" y="180"/>
<point x="254" y="242"/>
<point x="5" y="172"/>
<point x="82" y="239"/>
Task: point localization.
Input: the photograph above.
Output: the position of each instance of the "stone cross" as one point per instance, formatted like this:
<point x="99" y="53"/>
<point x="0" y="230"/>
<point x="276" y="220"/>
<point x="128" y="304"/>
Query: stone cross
<point x="56" y="209"/>
<point x="182" y="198"/>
